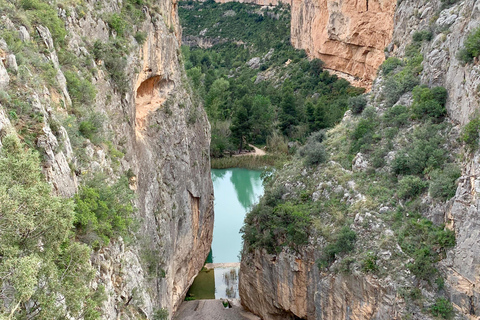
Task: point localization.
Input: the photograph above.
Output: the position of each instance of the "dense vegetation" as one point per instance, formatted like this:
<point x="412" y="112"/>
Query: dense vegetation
<point x="46" y="274"/>
<point x="255" y="86"/>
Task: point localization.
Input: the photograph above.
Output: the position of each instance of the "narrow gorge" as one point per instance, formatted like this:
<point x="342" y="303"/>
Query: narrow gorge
<point x="116" y="114"/>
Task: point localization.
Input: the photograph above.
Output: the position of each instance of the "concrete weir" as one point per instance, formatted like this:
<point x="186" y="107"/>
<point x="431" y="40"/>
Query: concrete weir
<point x="213" y="310"/>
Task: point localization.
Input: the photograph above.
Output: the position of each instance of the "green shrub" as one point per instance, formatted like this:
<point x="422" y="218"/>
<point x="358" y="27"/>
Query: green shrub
<point x="369" y="264"/>
<point x="364" y="135"/>
<point x="405" y="79"/>
<point x="442" y="184"/>
<point x="470" y="134"/>
<point x="113" y="53"/>
<point x="81" y="91"/>
<point x="410" y="187"/>
<point x="40" y="258"/>
<point x="396" y="116"/>
<point x="424" y="35"/>
<point x="442" y="308"/>
<point x="104" y="210"/>
<point x="357" y="104"/>
<point x="423" y="265"/>
<point x="429" y="103"/>
<point x="425" y="242"/>
<point x="313" y="153"/>
<point x="117" y="23"/>
<point x="471" y="47"/>
<point x="88" y="129"/>
<point x="43" y="13"/>
<point x="390" y="64"/>
<point x="160" y="314"/>
<point x="140" y="37"/>
<point x="424" y="153"/>
<point x="344" y="242"/>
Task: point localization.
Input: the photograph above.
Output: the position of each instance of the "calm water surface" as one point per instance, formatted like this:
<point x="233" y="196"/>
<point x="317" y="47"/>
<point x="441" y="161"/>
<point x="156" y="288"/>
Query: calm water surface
<point x="236" y="191"/>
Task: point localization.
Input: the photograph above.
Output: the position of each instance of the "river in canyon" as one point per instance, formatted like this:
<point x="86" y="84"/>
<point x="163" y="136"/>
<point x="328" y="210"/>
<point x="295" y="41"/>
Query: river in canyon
<point x="236" y="191"/>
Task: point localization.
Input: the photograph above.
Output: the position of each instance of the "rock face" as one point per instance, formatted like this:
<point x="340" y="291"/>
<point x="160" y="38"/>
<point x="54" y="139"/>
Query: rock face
<point x="301" y="290"/>
<point x="164" y="136"/>
<point x="349" y="36"/>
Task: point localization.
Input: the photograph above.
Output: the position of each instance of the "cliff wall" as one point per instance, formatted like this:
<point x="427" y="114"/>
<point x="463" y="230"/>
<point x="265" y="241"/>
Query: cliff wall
<point x="162" y="132"/>
<point x="349" y="36"/>
<point x="330" y="294"/>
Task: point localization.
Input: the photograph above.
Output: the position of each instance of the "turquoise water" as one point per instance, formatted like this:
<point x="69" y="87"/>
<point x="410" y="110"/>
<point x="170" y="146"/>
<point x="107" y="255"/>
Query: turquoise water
<point x="236" y="191"/>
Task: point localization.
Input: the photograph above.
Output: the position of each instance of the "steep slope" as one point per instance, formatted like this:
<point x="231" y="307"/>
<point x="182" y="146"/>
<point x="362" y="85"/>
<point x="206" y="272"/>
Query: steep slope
<point x="144" y="107"/>
<point x="398" y="264"/>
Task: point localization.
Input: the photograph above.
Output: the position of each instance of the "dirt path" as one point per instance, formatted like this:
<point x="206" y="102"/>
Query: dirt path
<point x="257" y="152"/>
<point x="212" y="310"/>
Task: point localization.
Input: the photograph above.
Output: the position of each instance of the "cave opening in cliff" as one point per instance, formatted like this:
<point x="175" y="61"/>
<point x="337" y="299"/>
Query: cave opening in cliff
<point x="149" y="96"/>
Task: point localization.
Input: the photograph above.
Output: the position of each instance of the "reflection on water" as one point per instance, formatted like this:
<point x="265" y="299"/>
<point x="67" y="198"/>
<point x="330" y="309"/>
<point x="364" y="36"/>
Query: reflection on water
<point x="218" y="283"/>
<point x="244" y="182"/>
<point x="236" y="190"/>
<point x="226" y="283"/>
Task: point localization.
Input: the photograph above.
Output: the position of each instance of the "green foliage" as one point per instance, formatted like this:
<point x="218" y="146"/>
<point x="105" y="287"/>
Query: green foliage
<point x="273" y="223"/>
<point x="364" y="135"/>
<point x="344" y="242"/>
<point x="103" y="212"/>
<point x="410" y="187"/>
<point x="140" y="37"/>
<point x="396" y="116"/>
<point x="369" y="264"/>
<point x="425" y="243"/>
<point x="390" y="64"/>
<point x="406" y="76"/>
<point x="442" y="308"/>
<point x="113" y="54"/>
<point x="307" y="100"/>
<point x="470" y="134"/>
<point x="313" y="151"/>
<point x="34" y="274"/>
<point x="160" y="314"/>
<point x="81" y="91"/>
<point x="429" y="103"/>
<point x="357" y="104"/>
<point x="87" y="129"/>
<point x="424" y="153"/>
<point x="442" y="184"/>
<point x="424" y="35"/>
<point x="42" y="12"/>
<point x="117" y="23"/>
<point x="471" y="47"/>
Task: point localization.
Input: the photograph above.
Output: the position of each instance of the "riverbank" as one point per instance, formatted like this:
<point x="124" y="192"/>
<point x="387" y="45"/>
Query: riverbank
<point x="249" y="161"/>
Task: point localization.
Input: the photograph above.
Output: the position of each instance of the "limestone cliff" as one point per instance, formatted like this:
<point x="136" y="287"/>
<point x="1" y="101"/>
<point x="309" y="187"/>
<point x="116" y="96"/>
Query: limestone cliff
<point x="359" y="295"/>
<point x="161" y="129"/>
<point x="349" y="36"/>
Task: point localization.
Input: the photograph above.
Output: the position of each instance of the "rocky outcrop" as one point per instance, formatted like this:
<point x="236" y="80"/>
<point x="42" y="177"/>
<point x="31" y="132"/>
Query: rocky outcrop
<point x="441" y="66"/>
<point x="299" y="291"/>
<point x="349" y="36"/>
